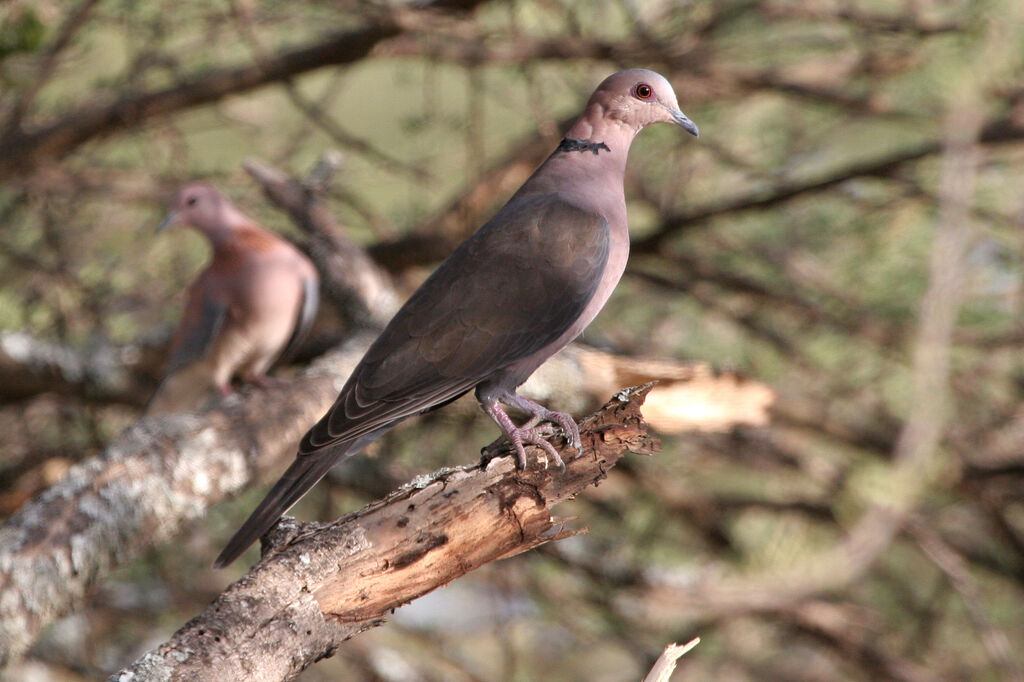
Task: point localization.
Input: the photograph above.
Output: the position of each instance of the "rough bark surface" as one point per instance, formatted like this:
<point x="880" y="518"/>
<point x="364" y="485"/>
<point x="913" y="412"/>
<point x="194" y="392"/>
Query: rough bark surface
<point x="157" y="476"/>
<point x="320" y="584"/>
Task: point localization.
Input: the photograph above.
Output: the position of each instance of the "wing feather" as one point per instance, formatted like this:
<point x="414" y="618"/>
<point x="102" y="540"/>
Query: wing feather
<point x="304" y="319"/>
<point x="201" y="322"/>
<point x="507" y="292"/>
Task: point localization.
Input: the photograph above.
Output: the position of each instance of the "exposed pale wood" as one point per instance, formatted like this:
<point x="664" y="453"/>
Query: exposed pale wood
<point x="318" y="585"/>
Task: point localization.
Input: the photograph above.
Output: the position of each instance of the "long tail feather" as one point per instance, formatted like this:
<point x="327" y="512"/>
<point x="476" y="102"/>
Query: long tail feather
<point x="302" y="475"/>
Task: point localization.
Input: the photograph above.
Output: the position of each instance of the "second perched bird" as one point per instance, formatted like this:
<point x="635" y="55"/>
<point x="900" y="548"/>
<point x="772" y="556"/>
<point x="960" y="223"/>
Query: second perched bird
<point x="517" y="291"/>
<point x="252" y="304"/>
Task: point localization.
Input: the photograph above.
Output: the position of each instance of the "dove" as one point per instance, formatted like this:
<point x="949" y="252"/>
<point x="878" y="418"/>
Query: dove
<point x="515" y="292"/>
<point x="252" y="305"/>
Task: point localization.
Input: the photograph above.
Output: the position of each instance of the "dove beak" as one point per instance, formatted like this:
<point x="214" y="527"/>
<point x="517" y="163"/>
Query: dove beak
<point x="169" y="219"/>
<point x="681" y="120"/>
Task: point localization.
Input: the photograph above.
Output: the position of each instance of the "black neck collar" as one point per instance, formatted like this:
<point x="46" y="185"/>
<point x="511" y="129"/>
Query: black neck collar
<point x="571" y="144"/>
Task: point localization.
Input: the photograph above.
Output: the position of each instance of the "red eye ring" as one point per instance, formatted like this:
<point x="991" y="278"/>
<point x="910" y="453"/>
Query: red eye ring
<point x="643" y="91"/>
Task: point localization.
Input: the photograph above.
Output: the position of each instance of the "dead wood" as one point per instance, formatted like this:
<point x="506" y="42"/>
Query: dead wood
<point x="320" y="584"/>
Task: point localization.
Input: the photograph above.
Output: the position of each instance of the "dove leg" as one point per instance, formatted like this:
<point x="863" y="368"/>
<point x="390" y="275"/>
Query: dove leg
<point x="528" y="432"/>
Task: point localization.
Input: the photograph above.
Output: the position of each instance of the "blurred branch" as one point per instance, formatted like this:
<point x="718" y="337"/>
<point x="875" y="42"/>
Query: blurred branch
<point x="999" y="131"/>
<point x="24" y="150"/>
<point x="428" y="242"/>
<point x="159" y="475"/>
<point x="353" y="281"/>
<point x="74" y="21"/>
<point x="434" y="238"/>
<point x="469" y="47"/>
<point x="689" y="396"/>
<point x="30" y="366"/>
<point x="320" y="584"/>
<point x="918" y="442"/>
<point x="855" y="635"/>
<point x="906" y="20"/>
<point x="957" y="571"/>
<point x="314" y="112"/>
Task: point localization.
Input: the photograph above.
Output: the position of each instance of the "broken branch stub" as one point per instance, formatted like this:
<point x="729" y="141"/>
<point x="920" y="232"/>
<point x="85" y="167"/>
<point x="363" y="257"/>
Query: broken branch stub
<point x="319" y="584"/>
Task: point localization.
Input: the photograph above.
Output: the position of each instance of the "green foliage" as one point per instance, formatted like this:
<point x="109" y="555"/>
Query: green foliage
<point x="21" y="31"/>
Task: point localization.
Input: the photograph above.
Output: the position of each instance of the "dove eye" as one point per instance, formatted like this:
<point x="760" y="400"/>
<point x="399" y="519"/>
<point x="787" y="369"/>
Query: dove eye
<point x="643" y="91"/>
<point x="191" y="201"/>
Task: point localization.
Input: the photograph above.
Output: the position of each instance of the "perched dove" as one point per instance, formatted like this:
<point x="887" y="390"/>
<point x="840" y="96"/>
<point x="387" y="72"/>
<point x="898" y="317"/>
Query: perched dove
<point x="513" y="294"/>
<point x="252" y="304"/>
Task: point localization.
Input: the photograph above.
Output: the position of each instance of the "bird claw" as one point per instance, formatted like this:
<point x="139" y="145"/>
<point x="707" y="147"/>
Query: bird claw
<point x="519" y="438"/>
<point x="532" y="433"/>
<point x="533" y="436"/>
<point x="571" y="430"/>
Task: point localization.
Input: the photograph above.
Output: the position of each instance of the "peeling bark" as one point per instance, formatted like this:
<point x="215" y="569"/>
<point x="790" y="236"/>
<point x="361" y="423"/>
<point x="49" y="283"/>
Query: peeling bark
<point x="320" y="584"/>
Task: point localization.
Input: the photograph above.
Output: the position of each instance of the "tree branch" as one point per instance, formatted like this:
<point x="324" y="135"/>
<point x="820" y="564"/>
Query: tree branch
<point x="74" y="21"/>
<point x="156" y="477"/>
<point x="318" y="585"/>
<point x="999" y="131"/>
<point x="361" y="289"/>
<point x="23" y="150"/>
<point x="30" y="366"/>
<point x="891" y="498"/>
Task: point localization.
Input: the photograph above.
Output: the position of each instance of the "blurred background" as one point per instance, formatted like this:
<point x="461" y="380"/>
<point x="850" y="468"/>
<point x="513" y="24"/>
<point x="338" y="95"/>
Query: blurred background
<point x="847" y="232"/>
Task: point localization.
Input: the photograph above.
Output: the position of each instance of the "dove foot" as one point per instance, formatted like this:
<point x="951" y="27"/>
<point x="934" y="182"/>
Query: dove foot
<point x="530" y="432"/>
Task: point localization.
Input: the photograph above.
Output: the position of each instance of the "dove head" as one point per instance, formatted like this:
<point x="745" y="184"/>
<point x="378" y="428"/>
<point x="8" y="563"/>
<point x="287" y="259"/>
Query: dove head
<point x="637" y="98"/>
<point x="200" y="205"/>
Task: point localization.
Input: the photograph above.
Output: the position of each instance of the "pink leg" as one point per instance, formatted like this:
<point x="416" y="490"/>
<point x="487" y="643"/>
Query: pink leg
<point x="529" y="432"/>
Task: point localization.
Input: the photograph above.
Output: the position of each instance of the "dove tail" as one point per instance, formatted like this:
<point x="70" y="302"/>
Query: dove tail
<point x="302" y="475"/>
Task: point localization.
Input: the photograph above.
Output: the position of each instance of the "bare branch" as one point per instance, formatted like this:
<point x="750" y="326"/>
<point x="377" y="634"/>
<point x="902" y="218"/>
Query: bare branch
<point x="30" y="366"/>
<point x="152" y="480"/>
<point x="74" y="21"/>
<point x="666" y="663"/>
<point x="429" y="242"/>
<point x="433" y="239"/>
<point x="957" y="571"/>
<point x="360" y="288"/>
<point x="318" y="585"/>
<point x="999" y="131"/>
<point x="57" y="547"/>
<point x="24" y="150"/>
<point x="916" y="444"/>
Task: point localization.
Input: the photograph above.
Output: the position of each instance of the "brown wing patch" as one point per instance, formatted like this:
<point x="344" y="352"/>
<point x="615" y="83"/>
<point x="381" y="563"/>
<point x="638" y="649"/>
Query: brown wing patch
<point x="508" y="291"/>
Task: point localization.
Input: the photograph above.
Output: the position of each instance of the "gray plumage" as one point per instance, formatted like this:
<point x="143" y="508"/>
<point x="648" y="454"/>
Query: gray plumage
<point x="513" y="294"/>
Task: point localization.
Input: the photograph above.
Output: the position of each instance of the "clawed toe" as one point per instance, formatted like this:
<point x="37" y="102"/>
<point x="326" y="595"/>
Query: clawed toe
<point x="520" y="437"/>
<point x="533" y="432"/>
<point x="534" y="437"/>
<point x="572" y="432"/>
